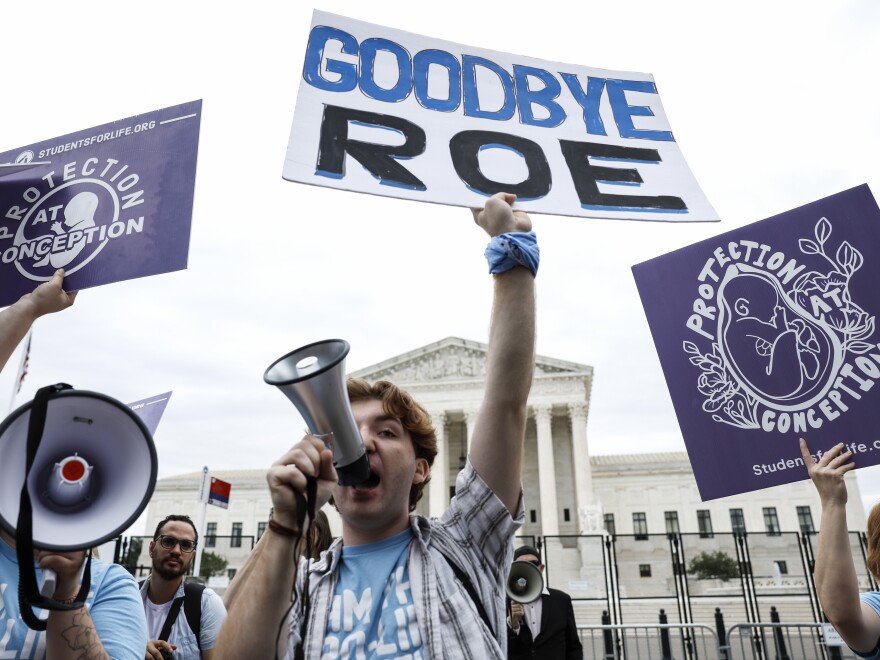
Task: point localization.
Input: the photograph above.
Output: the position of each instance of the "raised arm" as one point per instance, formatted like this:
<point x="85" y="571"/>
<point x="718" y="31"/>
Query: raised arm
<point x="262" y="594"/>
<point x="835" y="573"/>
<point x="497" y="449"/>
<point x="16" y="320"/>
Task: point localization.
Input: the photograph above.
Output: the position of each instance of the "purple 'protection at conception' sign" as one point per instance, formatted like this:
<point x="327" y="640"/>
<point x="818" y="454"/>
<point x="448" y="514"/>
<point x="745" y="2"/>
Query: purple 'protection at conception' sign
<point x="110" y="203"/>
<point x="766" y="334"/>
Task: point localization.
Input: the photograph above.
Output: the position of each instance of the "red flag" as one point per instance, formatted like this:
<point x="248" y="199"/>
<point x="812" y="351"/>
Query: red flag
<point x="218" y="495"/>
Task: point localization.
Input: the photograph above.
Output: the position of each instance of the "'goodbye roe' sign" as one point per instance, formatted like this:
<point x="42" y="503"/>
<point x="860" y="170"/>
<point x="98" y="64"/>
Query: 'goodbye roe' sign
<point x="767" y="334"/>
<point x="107" y="204"/>
<point x="398" y="114"/>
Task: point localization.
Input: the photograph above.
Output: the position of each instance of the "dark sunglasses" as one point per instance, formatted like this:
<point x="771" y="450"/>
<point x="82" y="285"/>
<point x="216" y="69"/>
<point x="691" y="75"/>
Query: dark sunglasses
<point x="168" y="542"/>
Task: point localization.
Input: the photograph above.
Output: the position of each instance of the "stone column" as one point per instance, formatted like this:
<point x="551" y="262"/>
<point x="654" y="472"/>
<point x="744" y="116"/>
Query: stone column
<point x="470" y="420"/>
<point x="546" y="472"/>
<point x="583" y="475"/>
<point x="580" y="453"/>
<point x="438" y="487"/>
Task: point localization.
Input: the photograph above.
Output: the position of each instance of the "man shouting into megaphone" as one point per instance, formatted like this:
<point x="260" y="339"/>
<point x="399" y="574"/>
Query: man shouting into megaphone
<point x="398" y="584"/>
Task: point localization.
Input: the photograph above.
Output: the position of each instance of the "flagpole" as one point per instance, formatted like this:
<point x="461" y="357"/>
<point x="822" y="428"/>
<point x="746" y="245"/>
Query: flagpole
<point x="203" y="498"/>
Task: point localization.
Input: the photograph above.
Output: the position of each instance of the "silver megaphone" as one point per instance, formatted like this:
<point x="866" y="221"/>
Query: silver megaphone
<point x="313" y="378"/>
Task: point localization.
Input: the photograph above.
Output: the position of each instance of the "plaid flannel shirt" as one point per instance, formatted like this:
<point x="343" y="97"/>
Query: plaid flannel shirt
<point x="476" y="533"/>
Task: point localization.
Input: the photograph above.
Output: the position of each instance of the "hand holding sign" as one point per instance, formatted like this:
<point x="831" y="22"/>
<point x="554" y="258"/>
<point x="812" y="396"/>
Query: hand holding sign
<point x="837" y="585"/>
<point x="16" y="321"/>
<point x="499" y="216"/>
<point x="828" y="472"/>
<point x="49" y="297"/>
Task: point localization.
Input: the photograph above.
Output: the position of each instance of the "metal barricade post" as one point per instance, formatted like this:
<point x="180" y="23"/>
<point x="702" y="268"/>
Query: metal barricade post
<point x="607" y="638"/>
<point x="723" y="648"/>
<point x="778" y="637"/>
<point x="665" y="650"/>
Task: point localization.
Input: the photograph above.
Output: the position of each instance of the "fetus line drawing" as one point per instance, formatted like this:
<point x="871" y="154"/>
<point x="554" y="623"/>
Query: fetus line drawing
<point x="79" y="215"/>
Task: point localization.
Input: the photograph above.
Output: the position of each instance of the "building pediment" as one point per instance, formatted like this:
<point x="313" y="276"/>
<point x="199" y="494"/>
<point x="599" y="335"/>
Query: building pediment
<point x="453" y="359"/>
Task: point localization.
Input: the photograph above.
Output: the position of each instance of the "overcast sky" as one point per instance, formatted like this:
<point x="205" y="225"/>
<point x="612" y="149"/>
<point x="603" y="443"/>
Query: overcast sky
<point x="774" y="105"/>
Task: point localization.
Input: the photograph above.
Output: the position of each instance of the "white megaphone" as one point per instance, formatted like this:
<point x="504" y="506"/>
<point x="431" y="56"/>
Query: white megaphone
<point x="313" y="378"/>
<point x="92" y="474"/>
<point x="525" y="582"/>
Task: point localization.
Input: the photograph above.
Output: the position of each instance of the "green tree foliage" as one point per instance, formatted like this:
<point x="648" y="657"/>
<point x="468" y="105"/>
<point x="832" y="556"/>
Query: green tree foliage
<point x="716" y="565"/>
<point x="212" y="564"/>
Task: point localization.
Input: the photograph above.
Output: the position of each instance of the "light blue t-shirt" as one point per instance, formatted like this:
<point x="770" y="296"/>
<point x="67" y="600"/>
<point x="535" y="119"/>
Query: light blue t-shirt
<point x="114" y="604"/>
<point x="872" y="598"/>
<point x="373" y="613"/>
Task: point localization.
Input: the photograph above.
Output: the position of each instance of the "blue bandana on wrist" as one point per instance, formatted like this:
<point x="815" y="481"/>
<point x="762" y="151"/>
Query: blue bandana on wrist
<point x="516" y="248"/>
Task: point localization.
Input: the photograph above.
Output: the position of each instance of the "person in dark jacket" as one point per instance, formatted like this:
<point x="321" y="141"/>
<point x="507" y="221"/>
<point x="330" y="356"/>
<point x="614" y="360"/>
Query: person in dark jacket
<point x="544" y="628"/>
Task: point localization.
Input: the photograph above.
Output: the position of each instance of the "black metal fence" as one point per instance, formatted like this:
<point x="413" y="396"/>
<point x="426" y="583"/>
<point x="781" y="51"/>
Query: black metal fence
<point x="619" y="580"/>
<point x="690" y="577"/>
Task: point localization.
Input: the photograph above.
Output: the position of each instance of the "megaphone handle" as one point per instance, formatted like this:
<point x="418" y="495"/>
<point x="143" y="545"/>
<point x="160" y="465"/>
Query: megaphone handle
<point x="50" y="579"/>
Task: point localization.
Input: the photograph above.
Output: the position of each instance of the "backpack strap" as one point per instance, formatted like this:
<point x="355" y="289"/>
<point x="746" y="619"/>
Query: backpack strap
<point x="469" y="587"/>
<point x="171" y="618"/>
<point x="192" y="608"/>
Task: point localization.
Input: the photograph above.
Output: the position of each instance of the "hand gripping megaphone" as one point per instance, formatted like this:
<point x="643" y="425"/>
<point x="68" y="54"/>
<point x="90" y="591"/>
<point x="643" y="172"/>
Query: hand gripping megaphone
<point x="525" y="582"/>
<point x="313" y="378"/>
<point x="90" y="467"/>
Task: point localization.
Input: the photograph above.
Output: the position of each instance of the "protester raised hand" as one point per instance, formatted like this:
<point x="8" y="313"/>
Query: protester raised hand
<point x="49" y="296"/>
<point x="828" y="472"/>
<point x="837" y="584"/>
<point x="499" y="217"/>
<point x="17" y="319"/>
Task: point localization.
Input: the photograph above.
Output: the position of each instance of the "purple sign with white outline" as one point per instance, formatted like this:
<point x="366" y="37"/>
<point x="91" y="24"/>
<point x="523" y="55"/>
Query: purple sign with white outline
<point x="111" y="203"/>
<point x="766" y="334"/>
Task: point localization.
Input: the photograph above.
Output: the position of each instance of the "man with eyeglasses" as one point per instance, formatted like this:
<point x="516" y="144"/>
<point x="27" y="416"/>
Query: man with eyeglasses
<point x="165" y="597"/>
<point x="544" y="628"/>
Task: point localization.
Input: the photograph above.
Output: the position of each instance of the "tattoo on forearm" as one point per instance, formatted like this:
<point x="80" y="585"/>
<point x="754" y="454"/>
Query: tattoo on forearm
<point x="81" y="636"/>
